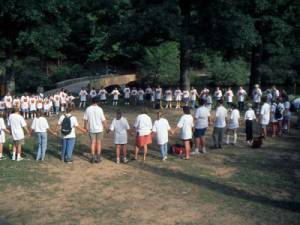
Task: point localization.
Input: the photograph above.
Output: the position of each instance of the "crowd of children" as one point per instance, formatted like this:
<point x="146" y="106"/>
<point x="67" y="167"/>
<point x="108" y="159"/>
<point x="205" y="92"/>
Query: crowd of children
<point x="271" y="109"/>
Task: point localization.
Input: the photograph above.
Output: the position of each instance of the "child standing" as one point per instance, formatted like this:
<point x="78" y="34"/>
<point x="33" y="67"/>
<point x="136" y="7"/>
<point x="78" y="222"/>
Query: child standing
<point x="161" y="128"/>
<point x="2" y="134"/>
<point x="115" y="93"/>
<point x="233" y="124"/>
<point x="120" y="127"/>
<point x="249" y="117"/>
<point x="186" y="125"/>
<point x="40" y="126"/>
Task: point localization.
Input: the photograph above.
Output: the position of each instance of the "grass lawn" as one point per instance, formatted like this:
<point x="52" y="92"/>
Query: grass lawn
<point x="237" y="185"/>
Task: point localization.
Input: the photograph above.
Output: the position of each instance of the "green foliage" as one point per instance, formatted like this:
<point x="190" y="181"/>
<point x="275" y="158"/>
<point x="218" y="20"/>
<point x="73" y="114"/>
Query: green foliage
<point x="233" y="72"/>
<point x="160" y="64"/>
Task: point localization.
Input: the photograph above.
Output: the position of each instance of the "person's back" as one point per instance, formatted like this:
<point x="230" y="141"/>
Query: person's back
<point x="143" y="124"/>
<point x="94" y="115"/>
<point x="221" y="114"/>
<point x="161" y="127"/>
<point x="265" y="113"/>
<point x="201" y="115"/>
<point x="16" y="123"/>
<point x="40" y="124"/>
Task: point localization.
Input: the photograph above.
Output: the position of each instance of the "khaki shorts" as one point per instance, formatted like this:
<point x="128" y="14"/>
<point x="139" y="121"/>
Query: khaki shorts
<point x="96" y="136"/>
<point x="19" y="142"/>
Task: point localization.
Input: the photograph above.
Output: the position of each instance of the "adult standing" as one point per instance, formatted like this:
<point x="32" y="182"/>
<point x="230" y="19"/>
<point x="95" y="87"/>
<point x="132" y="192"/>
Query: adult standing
<point x="68" y="124"/>
<point x="241" y="94"/>
<point x="219" y="125"/>
<point x="83" y="97"/>
<point x="256" y="95"/>
<point x="143" y="126"/>
<point x="17" y="126"/>
<point x="264" y="116"/>
<point x="94" y="121"/>
<point x="202" y="121"/>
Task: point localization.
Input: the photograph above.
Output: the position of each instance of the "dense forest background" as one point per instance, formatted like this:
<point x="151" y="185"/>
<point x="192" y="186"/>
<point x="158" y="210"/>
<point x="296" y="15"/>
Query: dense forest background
<point x="169" y="42"/>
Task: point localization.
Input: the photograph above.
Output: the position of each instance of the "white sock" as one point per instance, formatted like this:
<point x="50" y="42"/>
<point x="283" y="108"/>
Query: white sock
<point x="0" y="155"/>
<point x="227" y="139"/>
<point x="234" y="138"/>
<point x="18" y="156"/>
<point x="196" y="150"/>
<point x="14" y="155"/>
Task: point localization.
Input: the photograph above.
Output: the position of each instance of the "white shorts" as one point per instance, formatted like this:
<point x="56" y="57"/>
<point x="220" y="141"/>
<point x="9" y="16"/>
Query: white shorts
<point x="2" y="137"/>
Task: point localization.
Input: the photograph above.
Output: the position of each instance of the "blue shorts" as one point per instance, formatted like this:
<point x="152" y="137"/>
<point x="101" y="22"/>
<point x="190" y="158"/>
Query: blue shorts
<point x="199" y="132"/>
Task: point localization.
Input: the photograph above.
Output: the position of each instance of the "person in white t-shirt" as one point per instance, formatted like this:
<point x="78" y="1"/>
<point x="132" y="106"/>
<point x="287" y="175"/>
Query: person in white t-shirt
<point x="2" y="134"/>
<point x="8" y="100"/>
<point x="286" y="114"/>
<point x="153" y="98"/>
<point x="126" y="91"/>
<point x="141" y="94"/>
<point x="249" y="118"/>
<point x="32" y="106"/>
<point x="47" y="107"/>
<point x="94" y="122"/>
<point x="25" y="105"/>
<point x="194" y="95"/>
<point x="102" y="93"/>
<point x="241" y="95"/>
<point x="229" y="97"/>
<point x="178" y="97"/>
<point x="120" y="127"/>
<point x="264" y="116"/>
<point x="186" y="125"/>
<point x="218" y="94"/>
<point x="56" y="102"/>
<point x="83" y="98"/>
<point x="68" y="136"/>
<point x="63" y="100"/>
<point x="16" y="102"/>
<point x="115" y="93"/>
<point x="219" y="125"/>
<point x="134" y="96"/>
<point x="186" y="97"/>
<point x="161" y="129"/>
<point x="148" y="93"/>
<point x="17" y="126"/>
<point x="233" y="124"/>
<point x="202" y="121"/>
<point x="169" y="98"/>
<point x="93" y="93"/>
<point x="40" y="126"/>
<point x="256" y="95"/>
<point x="158" y="96"/>
<point x="143" y="127"/>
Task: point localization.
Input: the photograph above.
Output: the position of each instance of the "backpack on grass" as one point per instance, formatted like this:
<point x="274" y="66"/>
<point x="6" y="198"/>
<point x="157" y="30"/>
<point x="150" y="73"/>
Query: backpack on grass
<point x="66" y="127"/>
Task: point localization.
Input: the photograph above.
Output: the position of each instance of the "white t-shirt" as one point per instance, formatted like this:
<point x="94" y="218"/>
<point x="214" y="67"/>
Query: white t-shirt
<point x="194" y="94"/>
<point x="16" y="123"/>
<point x="186" y="123"/>
<point x="8" y="101"/>
<point x="56" y="100"/>
<point x="168" y="94"/>
<point x="241" y="95"/>
<point x="234" y="119"/>
<point x="39" y="124"/>
<point x="250" y="115"/>
<point x="120" y="128"/>
<point x="265" y="114"/>
<point x="221" y="114"/>
<point x="218" y="94"/>
<point x="93" y="93"/>
<point x="201" y="116"/>
<point x="186" y="94"/>
<point x="148" y="91"/>
<point x="2" y="132"/>
<point x="143" y="125"/>
<point x="257" y="95"/>
<point x="229" y="96"/>
<point x="74" y="124"/>
<point x="178" y="94"/>
<point x="115" y="94"/>
<point x="83" y="94"/>
<point x="94" y="116"/>
<point x="161" y="127"/>
<point x="126" y="92"/>
<point x="158" y="93"/>
<point x="102" y="94"/>
<point x="141" y="95"/>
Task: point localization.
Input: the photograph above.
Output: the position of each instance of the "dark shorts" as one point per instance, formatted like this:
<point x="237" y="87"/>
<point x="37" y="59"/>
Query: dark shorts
<point x="199" y="132"/>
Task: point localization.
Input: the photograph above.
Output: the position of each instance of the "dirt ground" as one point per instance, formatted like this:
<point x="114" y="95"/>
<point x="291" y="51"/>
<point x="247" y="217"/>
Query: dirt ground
<point x="238" y="185"/>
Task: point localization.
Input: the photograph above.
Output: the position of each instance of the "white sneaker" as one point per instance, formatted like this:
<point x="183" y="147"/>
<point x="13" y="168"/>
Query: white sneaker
<point x="19" y="159"/>
<point x="118" y="161"/>
<point x="13" y="158"/>
<point x="125" y="160"/>
<point x="196" y="152"/>
<point x="204" y="150"/>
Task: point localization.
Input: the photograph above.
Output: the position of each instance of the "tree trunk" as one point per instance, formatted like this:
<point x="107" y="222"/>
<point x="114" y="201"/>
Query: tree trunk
<point x="256" y="60"/>
<point x="185" y="51"/>
<point x="9" y="71"/>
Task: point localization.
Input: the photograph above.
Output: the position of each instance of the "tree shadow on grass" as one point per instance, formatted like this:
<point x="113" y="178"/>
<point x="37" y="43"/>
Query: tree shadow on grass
<point x="220" y="188"/>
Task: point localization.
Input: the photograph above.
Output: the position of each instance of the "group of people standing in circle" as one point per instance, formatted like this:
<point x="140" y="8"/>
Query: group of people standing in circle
<point x="269" y="108"/>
